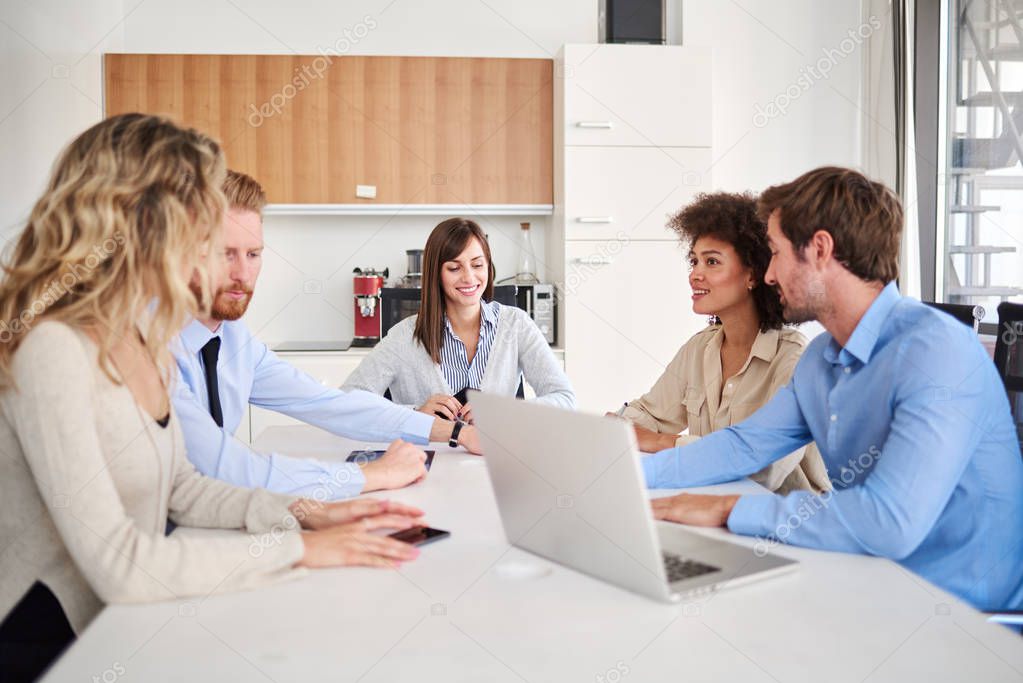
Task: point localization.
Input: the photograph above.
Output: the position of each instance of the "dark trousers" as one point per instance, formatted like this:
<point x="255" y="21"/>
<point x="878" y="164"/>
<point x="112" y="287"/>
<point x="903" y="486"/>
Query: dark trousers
<point x="33" y="635"/>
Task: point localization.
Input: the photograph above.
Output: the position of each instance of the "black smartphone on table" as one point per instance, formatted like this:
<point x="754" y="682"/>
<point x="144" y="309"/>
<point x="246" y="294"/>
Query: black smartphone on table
<point x="365" y="456"/>
<point x="420" y="535"/>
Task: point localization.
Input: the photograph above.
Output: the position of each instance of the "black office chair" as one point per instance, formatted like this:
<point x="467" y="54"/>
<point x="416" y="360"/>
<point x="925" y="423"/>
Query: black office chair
<point x="966" y="314"/>
<point x="1009" y="358"/>
<point x="519" y="393"/>
<point x="1009" y="361"/>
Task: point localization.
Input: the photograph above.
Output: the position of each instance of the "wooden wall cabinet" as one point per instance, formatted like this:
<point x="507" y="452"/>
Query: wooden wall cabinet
<point x="423" y="130"/>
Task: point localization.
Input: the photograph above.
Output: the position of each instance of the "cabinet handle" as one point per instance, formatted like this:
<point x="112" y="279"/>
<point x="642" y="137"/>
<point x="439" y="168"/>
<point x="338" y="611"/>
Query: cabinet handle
<point x="607" y="125"/>
<point x="593" y="260"/>
<point x="594" y="219"/>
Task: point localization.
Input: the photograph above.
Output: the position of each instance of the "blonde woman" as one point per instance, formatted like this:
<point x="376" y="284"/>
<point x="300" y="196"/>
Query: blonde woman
<point x="92" y="455"/>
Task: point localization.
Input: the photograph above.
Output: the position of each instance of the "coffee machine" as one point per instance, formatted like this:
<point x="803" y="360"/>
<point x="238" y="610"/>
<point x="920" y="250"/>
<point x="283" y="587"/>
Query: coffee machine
<point x="366" y="286"/>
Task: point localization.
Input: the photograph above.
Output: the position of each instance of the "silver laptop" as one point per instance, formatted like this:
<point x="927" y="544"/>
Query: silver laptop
<point x="570" y="488"/>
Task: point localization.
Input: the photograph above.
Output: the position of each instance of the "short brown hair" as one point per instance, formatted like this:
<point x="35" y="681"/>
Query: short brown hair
<point x="243" y="192"/>
<point x="863" y="217"/>
<point x="732" y="217"/>
<point x="445" y="243"/>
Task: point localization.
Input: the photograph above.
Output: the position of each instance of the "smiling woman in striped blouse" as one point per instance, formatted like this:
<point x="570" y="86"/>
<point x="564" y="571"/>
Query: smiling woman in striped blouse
<point x="461" y="339"/>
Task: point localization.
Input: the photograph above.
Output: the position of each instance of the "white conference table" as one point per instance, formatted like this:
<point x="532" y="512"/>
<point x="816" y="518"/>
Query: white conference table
<point x="473" y="608"/>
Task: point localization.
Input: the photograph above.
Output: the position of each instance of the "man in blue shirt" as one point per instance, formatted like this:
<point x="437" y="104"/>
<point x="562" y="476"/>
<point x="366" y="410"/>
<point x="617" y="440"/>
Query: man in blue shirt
<point x="224" y="368"/>
<point x="903" y="402"/>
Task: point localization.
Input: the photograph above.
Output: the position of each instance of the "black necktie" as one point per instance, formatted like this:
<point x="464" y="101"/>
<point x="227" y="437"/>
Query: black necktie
<point x="209" y="355"/>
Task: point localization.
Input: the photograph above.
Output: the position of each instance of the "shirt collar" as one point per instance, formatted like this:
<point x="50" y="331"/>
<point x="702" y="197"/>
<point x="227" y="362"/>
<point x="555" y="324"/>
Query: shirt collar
<point x="864" y="338"/>
<point x="765" y="346"/>
<point x="488" y="316"/>
<point x="195" y="335"/>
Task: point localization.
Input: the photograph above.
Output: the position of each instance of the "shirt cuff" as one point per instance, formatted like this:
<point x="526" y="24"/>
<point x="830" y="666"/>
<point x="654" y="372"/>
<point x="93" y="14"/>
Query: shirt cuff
<point x="346" y="481"/>
<point x="650" y="466"/>
<point x="417" y="427"/>
<point x="752" y="514"/>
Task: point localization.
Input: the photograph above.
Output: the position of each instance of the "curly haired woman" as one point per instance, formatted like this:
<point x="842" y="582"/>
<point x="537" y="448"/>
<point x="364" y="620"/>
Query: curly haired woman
<point x="724" y="373"/>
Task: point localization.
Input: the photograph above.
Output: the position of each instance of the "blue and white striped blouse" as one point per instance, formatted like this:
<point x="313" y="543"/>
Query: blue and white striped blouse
<point x="454" y="362"/>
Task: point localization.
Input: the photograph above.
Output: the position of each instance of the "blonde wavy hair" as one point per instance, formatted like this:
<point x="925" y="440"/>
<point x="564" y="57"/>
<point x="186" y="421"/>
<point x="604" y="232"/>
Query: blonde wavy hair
<point x="116" y="237"/>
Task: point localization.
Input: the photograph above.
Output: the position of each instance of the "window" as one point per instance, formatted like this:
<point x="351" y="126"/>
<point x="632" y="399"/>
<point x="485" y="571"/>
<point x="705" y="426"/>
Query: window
<point x="980" y="211"/>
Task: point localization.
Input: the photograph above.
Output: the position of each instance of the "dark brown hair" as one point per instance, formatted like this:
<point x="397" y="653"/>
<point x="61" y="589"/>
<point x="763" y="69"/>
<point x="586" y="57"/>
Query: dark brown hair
<point x="244" y="192"/>
<point x="863" y="217"/>
<point x="732" y="217"/>
<point x="446" y="242"/>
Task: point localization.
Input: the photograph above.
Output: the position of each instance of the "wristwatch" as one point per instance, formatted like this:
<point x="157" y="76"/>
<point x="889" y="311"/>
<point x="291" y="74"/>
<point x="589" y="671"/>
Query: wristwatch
<point x="453" y="439"/>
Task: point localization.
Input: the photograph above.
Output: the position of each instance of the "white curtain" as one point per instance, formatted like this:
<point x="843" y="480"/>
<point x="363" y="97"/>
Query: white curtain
<point x="909" y="256"/>
<point x="889" y="132"/>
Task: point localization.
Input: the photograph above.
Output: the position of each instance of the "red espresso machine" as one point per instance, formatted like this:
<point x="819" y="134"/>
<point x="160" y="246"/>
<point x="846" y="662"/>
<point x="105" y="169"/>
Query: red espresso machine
<point x="366" y="286"/>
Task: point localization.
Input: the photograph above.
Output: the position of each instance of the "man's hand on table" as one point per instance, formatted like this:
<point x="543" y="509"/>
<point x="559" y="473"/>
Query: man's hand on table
<point x="694" y="509"/>
<point x="468" y="438"/>
<point x="401" y="465"/>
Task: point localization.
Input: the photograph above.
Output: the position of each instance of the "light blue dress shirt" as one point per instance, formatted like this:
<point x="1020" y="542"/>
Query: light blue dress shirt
<point x="914" y="426"/>
<point x="249" y="373"/>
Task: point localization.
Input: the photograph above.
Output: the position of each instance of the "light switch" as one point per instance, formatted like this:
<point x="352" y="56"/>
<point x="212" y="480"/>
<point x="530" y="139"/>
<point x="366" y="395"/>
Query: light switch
<point x="366" y="191"/>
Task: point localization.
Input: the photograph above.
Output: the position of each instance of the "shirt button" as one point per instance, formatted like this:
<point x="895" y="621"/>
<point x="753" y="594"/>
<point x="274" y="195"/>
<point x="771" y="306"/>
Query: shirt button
<point x="848" y="370"/>
<point x="834" y="418"/>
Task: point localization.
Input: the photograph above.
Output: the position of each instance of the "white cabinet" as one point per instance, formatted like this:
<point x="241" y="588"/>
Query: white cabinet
<point x="632" y="146"/>
<point x="629" y="192"/>
<point x="630" y="310"/>
<point x="635" y="95"/>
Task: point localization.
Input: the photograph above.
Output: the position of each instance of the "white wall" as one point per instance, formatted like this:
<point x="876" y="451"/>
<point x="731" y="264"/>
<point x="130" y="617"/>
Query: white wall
<point x="496" y="28"/>
<point x="761" y="48"/>
<point x="50" y="90"/>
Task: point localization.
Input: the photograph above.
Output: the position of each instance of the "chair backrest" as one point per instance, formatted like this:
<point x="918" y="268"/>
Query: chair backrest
<point x="967" y="314"/>
<point x="1009" y="358"/>
<point x="519" y="393"/>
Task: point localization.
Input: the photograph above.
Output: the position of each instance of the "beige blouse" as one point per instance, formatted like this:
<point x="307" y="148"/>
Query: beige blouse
<point x="88" y="481"/>
<point x="689" y="395"/>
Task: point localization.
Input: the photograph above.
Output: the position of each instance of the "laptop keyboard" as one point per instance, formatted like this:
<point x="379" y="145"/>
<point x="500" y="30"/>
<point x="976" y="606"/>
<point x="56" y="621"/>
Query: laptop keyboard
<point x="680" y="568"/>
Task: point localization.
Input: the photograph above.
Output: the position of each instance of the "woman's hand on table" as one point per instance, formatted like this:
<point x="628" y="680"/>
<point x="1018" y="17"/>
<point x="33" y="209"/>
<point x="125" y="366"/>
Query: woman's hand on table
<point x="445" y="406"/>
<point x="369" y="513"/>
<point x="650" y="441"/>
<point x="341" y="532"/>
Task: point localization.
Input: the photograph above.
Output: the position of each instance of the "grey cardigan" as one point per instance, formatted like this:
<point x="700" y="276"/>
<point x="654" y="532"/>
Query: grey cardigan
<point x="401" y="364"/>
<point x="89" y="481"/>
